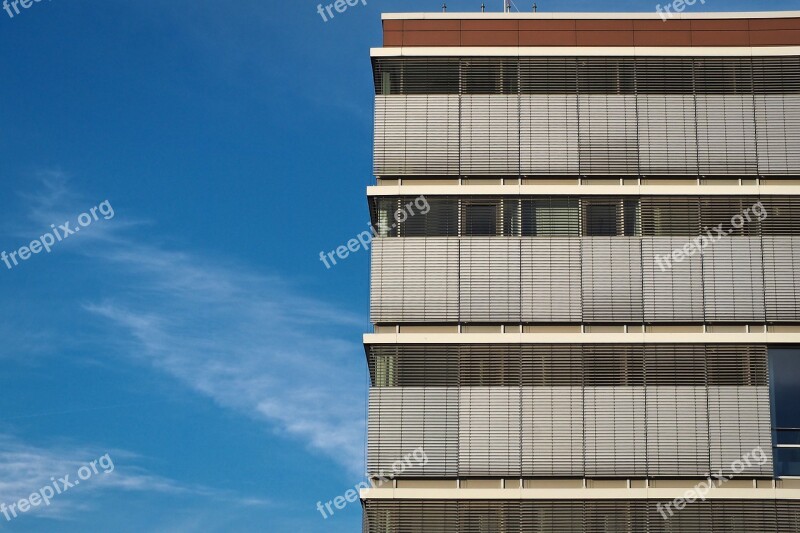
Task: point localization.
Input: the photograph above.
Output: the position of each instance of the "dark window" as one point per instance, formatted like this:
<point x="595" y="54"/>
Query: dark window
<point x="490" y="76"/>
<point x="480" y="220"/>
<point x="441" y="220"/>
<point x="631" y="208"/>
<point x="785" y="393"/>
<point x="602" y="220"/>
<point x="550" y="217"/>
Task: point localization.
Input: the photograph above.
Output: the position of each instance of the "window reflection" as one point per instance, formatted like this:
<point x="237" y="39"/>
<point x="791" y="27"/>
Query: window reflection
<point x="785" y="395"/>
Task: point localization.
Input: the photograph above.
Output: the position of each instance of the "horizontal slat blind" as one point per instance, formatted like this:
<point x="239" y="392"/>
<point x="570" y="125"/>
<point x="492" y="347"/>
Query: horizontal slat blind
<point x="664" y="216"/>
<point x="777" y="104"/>
<point x="615" y="441"/>
<point x="612" y="279"/>
<point x="733" y="280"/>
<point x="677" y="415"/>
<point x="489" y="135"/>
<point x="667" y="135"/>
<point x="788" y="515"/>
<point x="553" y="365"/>
<point x="739" y="422"/>
<point x="489" y="277"/>
<point x="672" y="291"/>
<point x="386" y="280"/>
<point x="489" y="431"/>
<point x="570" y="410"/>
<point x="404" y="419"/>
<point x="782" y="278"/>
<point x="548" y="134"/>
<point x="594" y="279"/>
<point x="677" y="431"/>
<point x="726" y="135"/>
<point x="593" y="116"/>
<point x="778" y="127"/>
<point x="415" y="279"/>
<point x="579" y="516"/>
<point x="417" y="134"/>
<point x="551" y="280"/>
<point x="560" y="216"/>
<point x="607" y="134"/>
<point x="552" y="431"/>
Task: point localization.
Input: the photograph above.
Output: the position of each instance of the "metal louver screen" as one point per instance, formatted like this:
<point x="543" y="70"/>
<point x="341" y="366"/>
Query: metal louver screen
<point x="552" y="274"/>
<point x="404" y="419"/>
<point x="607" y="134"/>
<point x="578" y="516"/>
<point x="550" y="280"/>
<point x="593" y="116"/>
<point x="733" y="280"/>
<point x="612" y="279"/>
<point x="782" y="288"/>
<point x="489" y="276"/>
<point x="415" y="279"/>
<point x="777" y="107"/>
<point x="510" y="410"/>
<point x="672" y="292"/>
<point x="563" y="216"/>
<point x="594" y="279"/>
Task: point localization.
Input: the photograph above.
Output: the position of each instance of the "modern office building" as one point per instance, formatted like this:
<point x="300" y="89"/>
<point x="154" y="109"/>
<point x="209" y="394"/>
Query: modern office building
<point x="600" y="307"/>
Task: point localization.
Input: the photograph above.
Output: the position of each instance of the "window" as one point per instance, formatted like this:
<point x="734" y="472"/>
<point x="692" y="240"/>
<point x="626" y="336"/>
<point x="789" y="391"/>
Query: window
<point x="611" y="217"/>
<point x="631" y="209"/>
<point x="441" y="220"/>
<point x="480" y="219"/>
<point x="385" y="208"/>
<point x="550" y="217"/>
<point x="385" y="372"/>
<point x="602" y="220"/>
<point x="785" y="394"/>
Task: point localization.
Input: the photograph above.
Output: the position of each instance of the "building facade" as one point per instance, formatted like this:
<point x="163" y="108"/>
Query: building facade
<point x="593" y="324"/>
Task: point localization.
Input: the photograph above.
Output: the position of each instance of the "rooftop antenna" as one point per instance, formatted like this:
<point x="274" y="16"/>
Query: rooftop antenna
<point x="483" y="7"/>
<point x="534" y="7"/>
<point x="507" y="6"/>
<point x="444" y="7"/>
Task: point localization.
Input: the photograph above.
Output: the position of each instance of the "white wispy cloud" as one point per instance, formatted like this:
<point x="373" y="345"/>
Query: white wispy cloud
<point x="26" y="468"/>
<point x="252" y="343"/>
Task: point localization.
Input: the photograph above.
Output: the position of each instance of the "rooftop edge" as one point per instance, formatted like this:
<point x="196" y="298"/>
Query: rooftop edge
<point x="588" y="16"/>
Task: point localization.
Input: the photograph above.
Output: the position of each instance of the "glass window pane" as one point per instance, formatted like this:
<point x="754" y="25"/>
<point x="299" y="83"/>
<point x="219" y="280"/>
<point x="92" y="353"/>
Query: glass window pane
<point x="441" y="220"/>
<point x="632" y="226"/>
<point x="785" y="383"/>
<point x="787" y="462"/>
<point x="602" y="220"/>
<point x="551" y="217"/>
<point x="480" y="220"/>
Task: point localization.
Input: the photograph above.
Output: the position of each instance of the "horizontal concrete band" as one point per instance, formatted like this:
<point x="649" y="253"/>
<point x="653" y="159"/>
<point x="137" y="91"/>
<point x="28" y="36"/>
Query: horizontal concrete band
<point x="581" y="190"/>
<point x="589" y="16"/>
<point x="572" y="51"/>
<point x="662" y="27"/>
<point x="720" y="493"/>
<point x="582" y="338"/>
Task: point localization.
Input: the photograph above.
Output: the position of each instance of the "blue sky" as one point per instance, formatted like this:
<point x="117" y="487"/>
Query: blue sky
<point x="195" y="336"/>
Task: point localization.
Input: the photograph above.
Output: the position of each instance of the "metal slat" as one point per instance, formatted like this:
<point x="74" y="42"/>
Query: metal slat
<point x="589" y="516"/>
<point x="593" y="116"/>
<point x="611" y="273"/>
